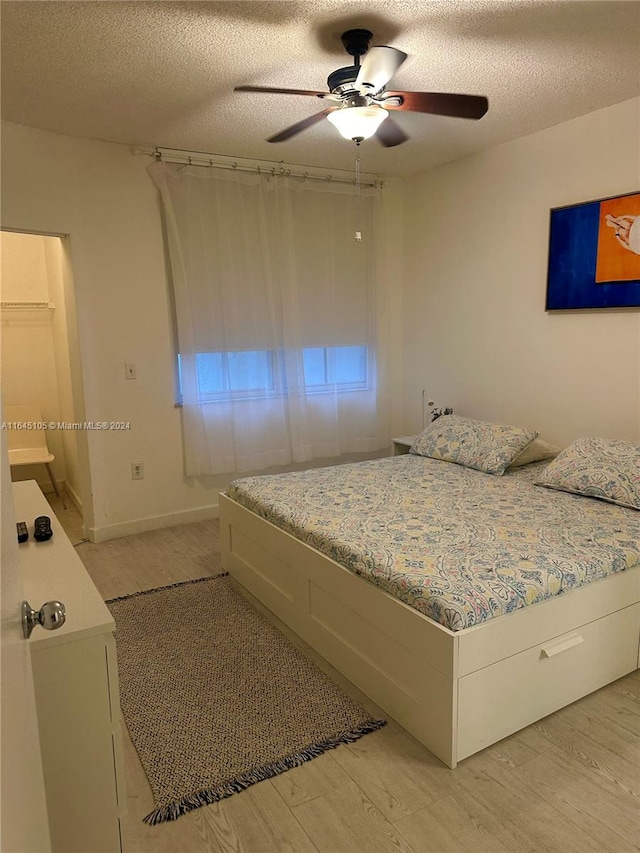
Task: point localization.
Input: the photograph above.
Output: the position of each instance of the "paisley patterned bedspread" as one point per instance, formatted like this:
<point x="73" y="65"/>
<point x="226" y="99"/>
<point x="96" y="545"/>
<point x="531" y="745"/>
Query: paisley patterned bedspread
<point x="459" y="545"/>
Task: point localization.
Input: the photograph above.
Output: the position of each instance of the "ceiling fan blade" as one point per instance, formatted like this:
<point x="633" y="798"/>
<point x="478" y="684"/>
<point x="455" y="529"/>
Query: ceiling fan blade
<point x="390" y="133"/>
<point x="378" y="67"/>
<point x="288" y="132"/>
<point x="438" y="103"/>
<point x="313" y="92"/>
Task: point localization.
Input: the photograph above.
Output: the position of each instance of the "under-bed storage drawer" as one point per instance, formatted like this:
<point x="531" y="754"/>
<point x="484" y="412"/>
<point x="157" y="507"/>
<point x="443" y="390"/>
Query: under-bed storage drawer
<point x="515" y="692"/>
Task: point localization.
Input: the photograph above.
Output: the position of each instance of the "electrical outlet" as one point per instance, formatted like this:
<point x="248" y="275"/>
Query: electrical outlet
<point x="137" y="471"/>
<point x="129" y="370"/>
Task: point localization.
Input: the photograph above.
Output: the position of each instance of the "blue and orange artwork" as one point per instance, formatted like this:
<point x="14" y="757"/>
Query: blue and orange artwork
<point x="594" y="254"/>
<point x="619" y="239"/>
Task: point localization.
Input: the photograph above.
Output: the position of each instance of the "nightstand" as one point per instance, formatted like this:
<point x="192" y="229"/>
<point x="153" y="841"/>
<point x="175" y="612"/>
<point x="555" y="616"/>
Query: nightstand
<point x="401" y="444"/>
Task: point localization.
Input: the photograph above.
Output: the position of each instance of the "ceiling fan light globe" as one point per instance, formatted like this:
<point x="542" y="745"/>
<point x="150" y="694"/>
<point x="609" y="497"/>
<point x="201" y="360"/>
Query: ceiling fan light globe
<point x="358" y="122"/>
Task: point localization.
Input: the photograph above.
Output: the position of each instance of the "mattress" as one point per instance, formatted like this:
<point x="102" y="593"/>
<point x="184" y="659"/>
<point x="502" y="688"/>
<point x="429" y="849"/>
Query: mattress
<point x="459" y="545"/>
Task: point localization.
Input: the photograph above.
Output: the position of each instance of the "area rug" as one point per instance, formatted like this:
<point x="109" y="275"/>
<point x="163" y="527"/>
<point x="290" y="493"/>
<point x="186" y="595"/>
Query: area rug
<point x="216" y="698"/>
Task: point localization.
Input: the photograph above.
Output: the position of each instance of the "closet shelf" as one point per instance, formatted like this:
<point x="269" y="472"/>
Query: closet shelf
<point x="27" y="306"/>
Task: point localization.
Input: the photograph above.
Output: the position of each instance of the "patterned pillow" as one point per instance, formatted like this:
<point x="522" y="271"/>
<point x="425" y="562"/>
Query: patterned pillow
<point x="599" y="468"/>
<point x="475" y="444"/>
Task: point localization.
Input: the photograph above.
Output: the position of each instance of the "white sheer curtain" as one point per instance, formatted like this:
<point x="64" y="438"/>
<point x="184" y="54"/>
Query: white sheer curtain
<point x="278" y="316"/>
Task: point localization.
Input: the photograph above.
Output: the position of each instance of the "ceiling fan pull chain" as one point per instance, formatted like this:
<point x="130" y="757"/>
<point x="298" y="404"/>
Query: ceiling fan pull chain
<point x="358" y="234"/>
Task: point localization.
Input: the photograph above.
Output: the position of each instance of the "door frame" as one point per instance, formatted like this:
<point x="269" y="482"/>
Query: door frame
<point x="77" y="381"/>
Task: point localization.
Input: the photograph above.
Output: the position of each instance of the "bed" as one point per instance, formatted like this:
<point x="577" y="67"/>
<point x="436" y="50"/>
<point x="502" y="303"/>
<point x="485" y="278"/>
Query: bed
<point x="466" y="605"/>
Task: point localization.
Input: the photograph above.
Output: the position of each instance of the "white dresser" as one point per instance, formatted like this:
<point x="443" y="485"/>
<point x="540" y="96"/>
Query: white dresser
<point x="76" y="684"/>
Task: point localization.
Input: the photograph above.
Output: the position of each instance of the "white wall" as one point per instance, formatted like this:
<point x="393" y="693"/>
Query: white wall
<point x="100" y="195"/>
<point x="476" y="333"/>
<point x="23" y="268"/>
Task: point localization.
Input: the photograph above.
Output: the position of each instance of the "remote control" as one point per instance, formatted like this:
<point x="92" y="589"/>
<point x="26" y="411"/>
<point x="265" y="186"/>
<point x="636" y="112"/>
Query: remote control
<point x="42" y="528"/>
<point x="23" y="531"/>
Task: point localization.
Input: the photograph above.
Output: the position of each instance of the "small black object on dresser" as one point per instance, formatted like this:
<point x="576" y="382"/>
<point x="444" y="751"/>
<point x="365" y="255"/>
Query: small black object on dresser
<point x="23" y="531"/>
<point x="42" y="528"/>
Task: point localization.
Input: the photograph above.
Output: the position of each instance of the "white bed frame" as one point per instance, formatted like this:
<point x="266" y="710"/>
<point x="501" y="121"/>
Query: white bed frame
<point x="456" y="692"/>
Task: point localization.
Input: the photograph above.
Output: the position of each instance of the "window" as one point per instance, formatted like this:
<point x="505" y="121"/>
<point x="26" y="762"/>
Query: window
<point x="230" y="372"/>
<point x="329" y="367"/>
<point x="223" y="375"/>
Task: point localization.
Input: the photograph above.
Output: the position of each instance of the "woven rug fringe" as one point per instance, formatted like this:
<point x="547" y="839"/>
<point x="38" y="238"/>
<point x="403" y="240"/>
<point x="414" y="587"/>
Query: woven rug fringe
<point x="168" y="586"/>
<point x="212" y="795"/>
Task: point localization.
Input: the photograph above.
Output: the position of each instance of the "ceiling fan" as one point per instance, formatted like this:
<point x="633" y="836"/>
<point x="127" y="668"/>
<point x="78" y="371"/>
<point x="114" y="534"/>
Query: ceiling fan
<point x="362" y="102"/>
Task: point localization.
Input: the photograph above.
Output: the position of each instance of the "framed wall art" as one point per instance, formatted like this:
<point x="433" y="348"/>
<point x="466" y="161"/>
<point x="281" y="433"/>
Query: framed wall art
<point x="594" y="254"/>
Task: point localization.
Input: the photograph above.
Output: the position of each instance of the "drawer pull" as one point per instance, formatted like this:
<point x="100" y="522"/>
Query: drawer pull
<point x="562" y="646"/>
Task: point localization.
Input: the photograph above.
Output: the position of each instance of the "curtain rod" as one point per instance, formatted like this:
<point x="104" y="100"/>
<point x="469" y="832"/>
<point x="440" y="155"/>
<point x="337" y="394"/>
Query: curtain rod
<point x="202" y="158"/>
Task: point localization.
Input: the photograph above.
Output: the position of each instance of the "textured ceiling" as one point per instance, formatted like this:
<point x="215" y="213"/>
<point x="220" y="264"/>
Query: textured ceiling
<point x="162" y="73"/>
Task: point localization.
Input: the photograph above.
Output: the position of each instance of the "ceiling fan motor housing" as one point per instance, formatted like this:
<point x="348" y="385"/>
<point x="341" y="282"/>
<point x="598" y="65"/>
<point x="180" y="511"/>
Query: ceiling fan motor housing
<point x="342" y="80"/>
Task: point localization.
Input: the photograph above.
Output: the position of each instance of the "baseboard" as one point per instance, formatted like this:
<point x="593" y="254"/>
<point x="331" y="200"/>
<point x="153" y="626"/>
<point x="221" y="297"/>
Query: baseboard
<point x="65" y="489"/>
<point x="152" y="522"/>
<point x="74" y="497"/>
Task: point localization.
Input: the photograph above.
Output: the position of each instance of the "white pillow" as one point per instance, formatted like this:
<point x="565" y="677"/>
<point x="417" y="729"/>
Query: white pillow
<point x="535" y="452"/>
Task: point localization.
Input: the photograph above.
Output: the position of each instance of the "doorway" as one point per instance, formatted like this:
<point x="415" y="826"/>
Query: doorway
<point x="40" y="367"/>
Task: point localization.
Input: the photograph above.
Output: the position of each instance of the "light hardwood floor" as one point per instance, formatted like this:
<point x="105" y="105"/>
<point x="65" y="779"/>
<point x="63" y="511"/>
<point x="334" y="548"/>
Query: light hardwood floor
<point x="569" y="783"/>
